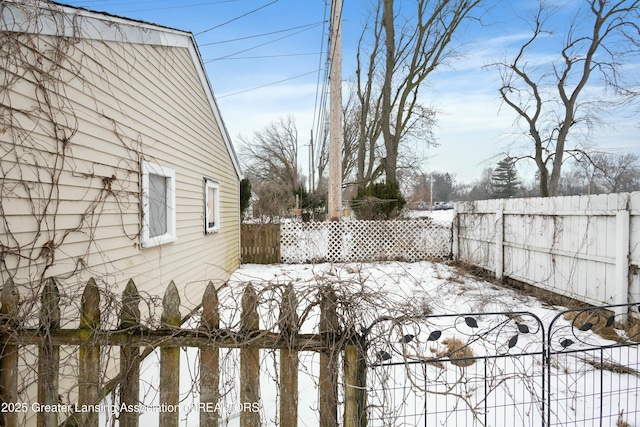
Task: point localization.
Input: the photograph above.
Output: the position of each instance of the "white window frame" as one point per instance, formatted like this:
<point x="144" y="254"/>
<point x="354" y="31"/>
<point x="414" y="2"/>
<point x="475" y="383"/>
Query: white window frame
<point x="211" y="184"/>
<point x="148" y="241"/>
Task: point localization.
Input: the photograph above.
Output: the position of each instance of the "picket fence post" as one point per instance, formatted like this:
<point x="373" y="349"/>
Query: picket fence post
<point x="170" y="361"/>
<point x="89" y="369"/>
<point x="249" y="359"/>
<point x="129" y="356"/>
<point x="48" y="354"/>
<point x="355" y="383"/>
<point x="288" y="322"/>
<point x="9" y="297"/>
<point x="329" y="327"/>
<point x="209" y="359"/>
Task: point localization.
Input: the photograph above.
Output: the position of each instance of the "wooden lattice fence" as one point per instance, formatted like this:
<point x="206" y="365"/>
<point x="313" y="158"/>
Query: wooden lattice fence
<point x="364" y="241"/>
<point x="134" y="341"/>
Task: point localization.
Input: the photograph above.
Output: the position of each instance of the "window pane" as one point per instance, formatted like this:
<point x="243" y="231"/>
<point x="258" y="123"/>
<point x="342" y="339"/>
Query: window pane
<point x="211" y="211"/>
<point x="157" y="205"/>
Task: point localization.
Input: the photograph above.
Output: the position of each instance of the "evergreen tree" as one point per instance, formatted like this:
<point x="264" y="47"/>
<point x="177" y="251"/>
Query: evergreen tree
<point x="245" y="195"/>
<point x="378" y="201"/>
<point x="504" y="181"/>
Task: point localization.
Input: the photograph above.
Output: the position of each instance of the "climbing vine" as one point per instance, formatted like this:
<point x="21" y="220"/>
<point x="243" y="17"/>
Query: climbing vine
<point x="52" y="201"/>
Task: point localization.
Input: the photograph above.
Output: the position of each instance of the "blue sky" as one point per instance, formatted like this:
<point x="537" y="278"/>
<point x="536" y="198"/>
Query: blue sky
<point x="266" y="58"/>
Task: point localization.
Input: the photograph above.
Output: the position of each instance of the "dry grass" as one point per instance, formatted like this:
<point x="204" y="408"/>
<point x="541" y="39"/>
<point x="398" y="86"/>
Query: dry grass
<point x="621" y="422"/>
<point x="598" y="321"/>
<point x="458" y="352"/>
<point x="632" y="328"/>
<point x="616" y="368"/>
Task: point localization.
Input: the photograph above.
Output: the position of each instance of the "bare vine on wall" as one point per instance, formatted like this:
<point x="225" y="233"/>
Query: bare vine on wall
<point x="51" y="201"/>
<point x="55" y="199"/>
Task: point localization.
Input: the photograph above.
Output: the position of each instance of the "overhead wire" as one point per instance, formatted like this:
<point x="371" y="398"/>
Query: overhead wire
<point x="266" y="85"/>
<point x="256" y="46"/>
<point x="320" y="102"/>
<point x="282" y="55"/>
<point x="303" y="28"/>
<point x="261" y="35"/>
<point x="236" y="18"/>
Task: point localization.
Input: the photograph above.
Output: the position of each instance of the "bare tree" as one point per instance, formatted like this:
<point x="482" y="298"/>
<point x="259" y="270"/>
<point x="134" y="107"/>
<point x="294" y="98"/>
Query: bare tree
<point x="397" y="51"/>
<point x="350" y="132"/>
<point x="480" y="189"/>
<point x="369" y="102"/>
<point x="272" y="154"/>
<point x="270" y="160"/>
<point x="550" y="98"/>
<point x="409" y="58"/>
<point x="604" y="172"/>
<point x="621" y="173"/>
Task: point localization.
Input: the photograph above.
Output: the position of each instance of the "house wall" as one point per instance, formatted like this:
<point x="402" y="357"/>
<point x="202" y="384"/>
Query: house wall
<point x="79" y="116"/>
<point x="583" y="247"/>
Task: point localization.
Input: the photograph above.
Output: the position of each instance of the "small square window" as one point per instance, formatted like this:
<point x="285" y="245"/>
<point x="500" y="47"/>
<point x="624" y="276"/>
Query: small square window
<point x="158" y="205"/>
<point x="211" y="206"/>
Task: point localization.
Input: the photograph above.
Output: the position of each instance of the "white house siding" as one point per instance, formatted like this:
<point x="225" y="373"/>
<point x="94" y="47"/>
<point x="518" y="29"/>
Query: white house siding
<point x="126" y="102"/>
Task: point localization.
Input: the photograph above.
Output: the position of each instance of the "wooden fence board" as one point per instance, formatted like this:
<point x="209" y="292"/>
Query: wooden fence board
<point x="582" y="247"/>
<point x="329" y="361"/>
<point x="249" y="360"/>
<point x="9" y="297"/>
<point x="209" y="360"/>
<point x="48" y="354"/>
<point x="92" y="340"/>
<point x="260" y="243"/>
<point x="170" y="360"/>
<point x="129" y="355"/>
<point x="89" y="369"/>
<point x="288" y="322"/>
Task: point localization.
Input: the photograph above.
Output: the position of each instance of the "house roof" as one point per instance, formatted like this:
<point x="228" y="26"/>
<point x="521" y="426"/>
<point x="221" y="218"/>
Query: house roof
<point x="111" y="15"/>
<point x="84" y="23"/>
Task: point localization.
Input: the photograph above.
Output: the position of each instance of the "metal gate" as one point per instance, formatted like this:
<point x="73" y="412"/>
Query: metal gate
<point x="503" y="369"/>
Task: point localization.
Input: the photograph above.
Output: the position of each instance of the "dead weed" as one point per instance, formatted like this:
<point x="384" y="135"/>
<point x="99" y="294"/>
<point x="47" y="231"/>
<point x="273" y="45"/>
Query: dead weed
<point x="459" y="353"/>
<point x="598" y="321"/>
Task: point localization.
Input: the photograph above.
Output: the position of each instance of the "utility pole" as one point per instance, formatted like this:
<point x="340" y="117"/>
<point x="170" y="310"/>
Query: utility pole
<point x="335" y="112"/>
<point x="312" y="166"/>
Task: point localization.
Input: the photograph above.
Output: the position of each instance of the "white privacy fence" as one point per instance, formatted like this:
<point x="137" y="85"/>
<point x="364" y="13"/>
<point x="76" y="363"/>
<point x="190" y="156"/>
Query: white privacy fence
<point x="348" y="241"/>
<point x="582" y="247"/>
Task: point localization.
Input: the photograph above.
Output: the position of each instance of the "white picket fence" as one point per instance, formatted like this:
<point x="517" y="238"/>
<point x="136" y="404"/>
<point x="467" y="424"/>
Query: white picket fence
<point x="582" y="247"/>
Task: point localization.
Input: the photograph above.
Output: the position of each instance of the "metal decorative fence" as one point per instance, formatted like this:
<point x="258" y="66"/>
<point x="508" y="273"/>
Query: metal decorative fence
<point x="593" y="368"/>
<point x="503" y="369"/>
<point x="351" y="241"/>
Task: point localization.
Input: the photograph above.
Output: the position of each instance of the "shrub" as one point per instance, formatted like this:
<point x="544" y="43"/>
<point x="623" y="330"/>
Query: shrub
<point x="378" y="201"/>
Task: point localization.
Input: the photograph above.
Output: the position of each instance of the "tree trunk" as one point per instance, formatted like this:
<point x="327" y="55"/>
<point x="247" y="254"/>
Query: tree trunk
<point x="389" y="138"/>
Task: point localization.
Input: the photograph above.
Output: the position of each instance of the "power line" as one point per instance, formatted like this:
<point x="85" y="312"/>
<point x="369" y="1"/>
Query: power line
<point x="273" y="56"/>
<point x="267" y="85"/>
<point x="321" y="91"/>
<point x="256" y="46"/>
<point x="236" y="18"/>
<point x="261" y="35"/>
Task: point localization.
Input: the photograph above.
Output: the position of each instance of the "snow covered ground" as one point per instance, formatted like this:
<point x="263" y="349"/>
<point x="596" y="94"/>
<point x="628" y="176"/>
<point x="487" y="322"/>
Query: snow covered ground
<point x="428" y="300"/>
